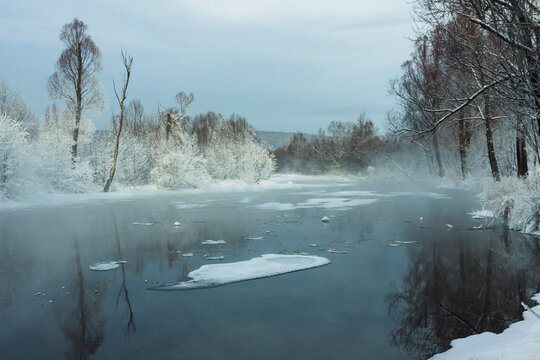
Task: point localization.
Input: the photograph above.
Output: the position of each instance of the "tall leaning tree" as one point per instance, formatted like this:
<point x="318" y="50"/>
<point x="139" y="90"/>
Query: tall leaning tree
<point x="75" y="79"/>
<point x="121" y="98"/>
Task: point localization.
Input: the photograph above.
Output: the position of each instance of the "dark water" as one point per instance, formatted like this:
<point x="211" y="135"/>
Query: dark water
<point x="374" y="302"/>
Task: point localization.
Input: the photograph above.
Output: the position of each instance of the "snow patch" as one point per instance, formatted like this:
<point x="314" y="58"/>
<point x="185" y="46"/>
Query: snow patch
<point x="521" y="341"/>
<point x="260" y="267"/>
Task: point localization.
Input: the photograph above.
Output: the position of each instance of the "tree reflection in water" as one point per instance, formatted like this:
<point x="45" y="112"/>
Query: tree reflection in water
<point x="472" y="285"/>
<point x="130" y="328"/>
<point x="80" y="314"/>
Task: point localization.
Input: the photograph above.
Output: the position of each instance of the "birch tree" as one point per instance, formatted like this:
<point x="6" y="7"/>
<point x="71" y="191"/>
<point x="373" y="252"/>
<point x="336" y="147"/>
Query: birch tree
<point x="75" y="79"/>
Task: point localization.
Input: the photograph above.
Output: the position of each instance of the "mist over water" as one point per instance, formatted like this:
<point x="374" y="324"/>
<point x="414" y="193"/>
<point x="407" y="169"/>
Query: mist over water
<point x="397" y="287"/>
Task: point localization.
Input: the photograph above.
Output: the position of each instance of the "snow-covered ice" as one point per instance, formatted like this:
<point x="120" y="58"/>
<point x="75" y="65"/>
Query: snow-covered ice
<point x="260" y="267"/>
<point x="276" y="206"/>
<point x="521" y="341"/>
<point x="105" y="266"/>
<point x="213" y="242"/>
<point x="334" y="251"/>
<point x="330" y="203"/>
<point x="482" y="214"/>
<point x="335" y="203"/>
<point x="185" y="206"/>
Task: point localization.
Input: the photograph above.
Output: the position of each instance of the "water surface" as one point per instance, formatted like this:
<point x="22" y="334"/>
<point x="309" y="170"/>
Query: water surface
<point x="397" y="287"/>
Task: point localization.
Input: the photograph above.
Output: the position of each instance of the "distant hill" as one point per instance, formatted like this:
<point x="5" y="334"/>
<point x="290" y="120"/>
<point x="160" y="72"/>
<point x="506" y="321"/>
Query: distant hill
<point x="275" y="139"/>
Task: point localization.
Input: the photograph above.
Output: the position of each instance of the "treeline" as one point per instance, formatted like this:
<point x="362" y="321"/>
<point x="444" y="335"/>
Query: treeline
<point x="470" y="92"/>
<point x="343" y="147"/>
<point x="37" y="157"/>
<point x="168" y="148"/>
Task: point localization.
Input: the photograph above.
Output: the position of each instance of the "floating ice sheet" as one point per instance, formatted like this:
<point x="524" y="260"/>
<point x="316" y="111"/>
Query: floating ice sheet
<point x="482" y="214"/>
<point x="260" y="267"/>
<point x="213" y="242"/>
<point x="105" y="266"/>
<point x="144" y="224"/>
<point x="331" y="203"/>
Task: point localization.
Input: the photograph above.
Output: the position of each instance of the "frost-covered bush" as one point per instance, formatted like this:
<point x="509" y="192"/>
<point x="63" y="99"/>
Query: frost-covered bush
<point x="55" y="169"/>
<point x="176" y="165"/>
<point x="516" y="200"/>
<point x="15" y="159"/>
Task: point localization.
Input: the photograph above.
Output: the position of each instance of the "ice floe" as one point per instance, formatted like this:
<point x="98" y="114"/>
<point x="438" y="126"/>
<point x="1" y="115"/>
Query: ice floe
<point x="176" y="223"/>
<point x="482" y="214"/>
<point x="260" y="267"/>
<point x="187" y="255"/>
<point x="215" y="257"/>
<point x="334" y="251"/>
<point x="330" y="203"/>
<point x="213" y="242"/>
<point x="276" y="206"/>
<point x="144" y="224"/>
<point x="255" y="238"/>
<point x="325" y="219"/>
<point x="186" y="206"/>
<point x="105" y="266"/>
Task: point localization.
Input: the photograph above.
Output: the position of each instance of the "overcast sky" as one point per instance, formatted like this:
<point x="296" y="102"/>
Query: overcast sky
<point x="284" y="65"/>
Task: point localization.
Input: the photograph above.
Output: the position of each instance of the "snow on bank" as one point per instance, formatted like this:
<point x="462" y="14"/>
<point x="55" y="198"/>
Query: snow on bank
<point x="521" y="341"/>
<point x="260" y="267"/>
<point x="516" y="201"/>
<point x="277" y="182"/>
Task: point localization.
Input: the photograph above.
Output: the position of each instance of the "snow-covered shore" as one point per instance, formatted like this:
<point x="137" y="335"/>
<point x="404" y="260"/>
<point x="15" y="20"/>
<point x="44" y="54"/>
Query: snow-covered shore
<point x="521" y="341"/>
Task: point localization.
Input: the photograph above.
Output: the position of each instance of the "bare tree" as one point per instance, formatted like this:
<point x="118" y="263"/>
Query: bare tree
<point x="172" y="116"/>
<point x="128" y="62"/>
<point x="75" y="79"/>
<point x="134" y="116"/>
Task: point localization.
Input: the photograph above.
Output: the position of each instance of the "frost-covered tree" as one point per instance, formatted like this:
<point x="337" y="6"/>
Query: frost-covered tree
<point x="75" y="79"/>
<point x="15" y="162"/>
<point x="13" y="105"/>
<point x="55" y="168"/>
<point x="178" y="164"/>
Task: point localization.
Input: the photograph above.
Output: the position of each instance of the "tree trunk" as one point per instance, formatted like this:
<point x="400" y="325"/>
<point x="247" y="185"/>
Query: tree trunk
<point x="521" y="154"/>
<point x="442" y="171"/>
<point x="168" y="126"/>
<point x="489" y="140"/>
<point x="78" y="105"/>
<point x="462" y="148"/>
